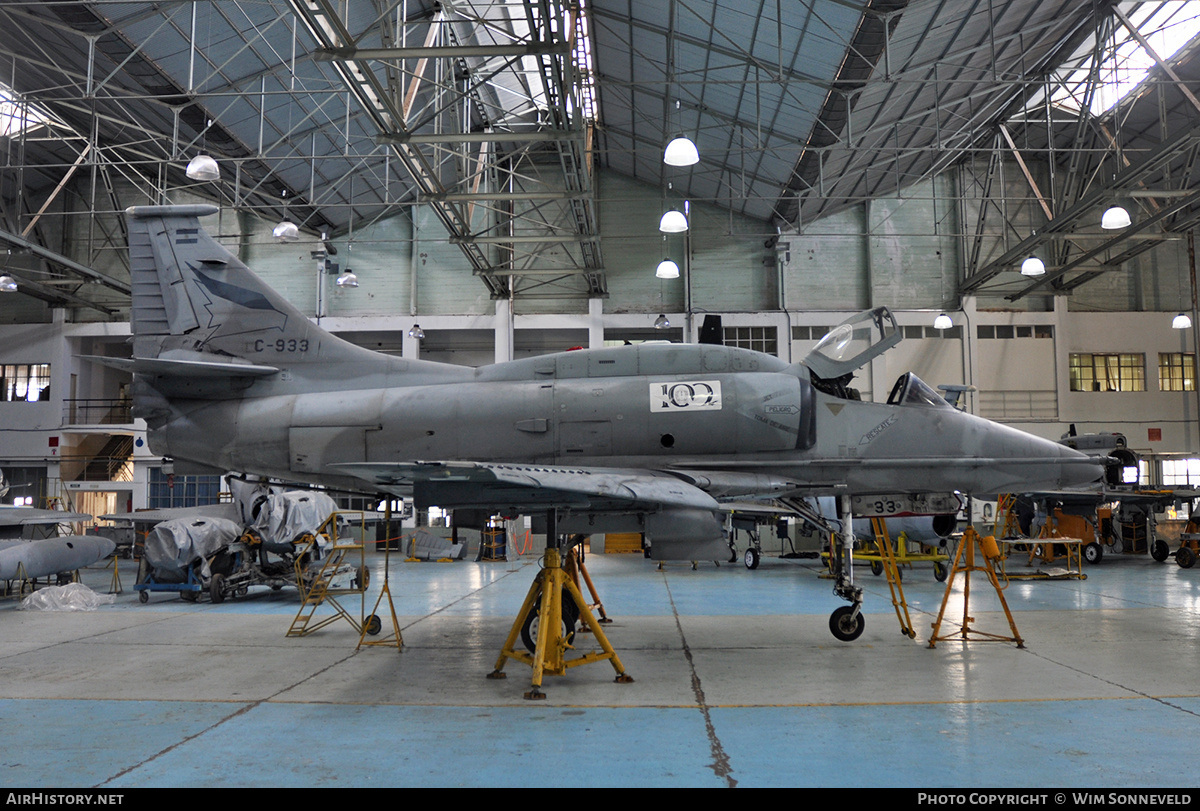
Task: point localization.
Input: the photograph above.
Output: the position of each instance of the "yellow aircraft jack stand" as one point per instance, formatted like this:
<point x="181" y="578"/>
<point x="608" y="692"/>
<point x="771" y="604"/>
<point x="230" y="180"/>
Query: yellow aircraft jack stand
<point x="575" y="570"/>
<point x="394" y="639"/>
<point x="114" y="586"/>
<point x="891" y="570"/>
<point x="549" y="655"/>
<point x="990" y="554"/>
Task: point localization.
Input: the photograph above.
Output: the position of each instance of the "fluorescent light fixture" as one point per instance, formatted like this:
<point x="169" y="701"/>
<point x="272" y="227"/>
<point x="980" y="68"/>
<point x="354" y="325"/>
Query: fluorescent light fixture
<point x="415" y="331"/>
<point x="8" y="284"/>
<point x="1033" y="266"/>
<point x="667" y="270"/>
<point x="347" y="279"/>
<point x="1181" y="321"/>
<point x="286" y="231"/>
<point x="681" y="152"/>
<point x="661" y="322"/>
<point x="1114" y="218"/>
<point x="673" y="222"/>
<point x="203" y="167"/>
<point x="942" y="322"/>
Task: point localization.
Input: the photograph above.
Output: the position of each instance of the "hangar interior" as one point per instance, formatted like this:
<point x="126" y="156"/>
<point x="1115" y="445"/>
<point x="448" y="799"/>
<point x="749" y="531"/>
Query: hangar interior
<point x="474" y="181"/>
<point x="492" y="173"/>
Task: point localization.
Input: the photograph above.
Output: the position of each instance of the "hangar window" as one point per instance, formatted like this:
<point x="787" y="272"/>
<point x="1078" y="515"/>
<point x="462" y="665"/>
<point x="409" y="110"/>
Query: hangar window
<point x="1181" y="472"/>
<point x="166" y="490"/>
<point x="809" y="333"/>
<point x="760" y="339"/>
<point x="1176" y="371"/>
<point x="1093" y="371"/>
<point x="25" y="382"/>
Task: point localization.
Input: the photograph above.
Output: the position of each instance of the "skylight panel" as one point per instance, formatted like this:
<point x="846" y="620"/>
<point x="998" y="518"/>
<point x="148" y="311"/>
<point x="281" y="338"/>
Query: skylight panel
<point x="17" y="115"/>
<point x="1125" y="64"/>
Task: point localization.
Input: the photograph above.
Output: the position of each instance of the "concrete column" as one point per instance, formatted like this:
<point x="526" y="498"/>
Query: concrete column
<point x="970" y="307"/>
<point x="410" y="347"/>
<point x="504" y="331"/>
<point x="595" y="323"/>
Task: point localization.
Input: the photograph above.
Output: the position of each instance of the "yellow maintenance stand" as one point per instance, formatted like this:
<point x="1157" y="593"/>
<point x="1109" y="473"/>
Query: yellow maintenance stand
<point x="546" y="597"/>
<point x="965" y="562"/>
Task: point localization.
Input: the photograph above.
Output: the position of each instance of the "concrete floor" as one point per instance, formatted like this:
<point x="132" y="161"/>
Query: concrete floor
<point x="738" y="682"/>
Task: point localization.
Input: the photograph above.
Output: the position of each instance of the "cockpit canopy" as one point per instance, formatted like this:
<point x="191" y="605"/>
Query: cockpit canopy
<point x="912" y="390"/>
<point x="853" y="343"/>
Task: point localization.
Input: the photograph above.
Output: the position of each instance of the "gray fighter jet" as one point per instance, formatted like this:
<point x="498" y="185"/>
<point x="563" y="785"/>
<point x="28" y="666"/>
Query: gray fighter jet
<point x="230" y="376"/>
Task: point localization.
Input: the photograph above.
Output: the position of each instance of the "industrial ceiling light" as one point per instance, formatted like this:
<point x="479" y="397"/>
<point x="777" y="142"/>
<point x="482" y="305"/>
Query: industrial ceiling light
<point x="673" y="222"/>
<point x="203" y="167"/>
<point x="416" y="332"/>
<point x="681" y="152"/>
<point x="8" y="284"/>
<point x="1181" y="321"/>
<point x="1033" y="266"/>
<point x="1115" y="217"/>
<point x="661" y="322"/>
<point x="667" y="270"/>
<point x="286" y="231"/>
<point x="347" y="279"/>
<point x="942" y="322"/>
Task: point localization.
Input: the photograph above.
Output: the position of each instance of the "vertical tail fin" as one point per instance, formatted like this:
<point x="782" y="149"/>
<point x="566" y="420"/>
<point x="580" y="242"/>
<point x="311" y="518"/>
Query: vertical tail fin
<point x="193" y="298"/>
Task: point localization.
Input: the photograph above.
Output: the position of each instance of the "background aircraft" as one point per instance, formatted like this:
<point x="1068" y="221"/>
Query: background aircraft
<point x="30" y="522"/>
<point x="230" y="376"/>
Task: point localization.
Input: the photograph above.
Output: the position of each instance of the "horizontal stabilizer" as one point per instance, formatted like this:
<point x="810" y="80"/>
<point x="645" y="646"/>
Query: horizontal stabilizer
<point x="165" y="367"/>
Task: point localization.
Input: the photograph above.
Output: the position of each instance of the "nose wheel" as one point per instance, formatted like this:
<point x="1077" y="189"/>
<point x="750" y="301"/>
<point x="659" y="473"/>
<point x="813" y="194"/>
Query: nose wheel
<point x="847" y="623"/>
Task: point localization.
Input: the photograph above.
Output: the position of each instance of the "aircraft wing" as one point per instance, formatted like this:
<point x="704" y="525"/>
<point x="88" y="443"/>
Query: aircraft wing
<point x="532" y="487"/>
<point x="226" y="510"/>
<point x="11" y="516"/>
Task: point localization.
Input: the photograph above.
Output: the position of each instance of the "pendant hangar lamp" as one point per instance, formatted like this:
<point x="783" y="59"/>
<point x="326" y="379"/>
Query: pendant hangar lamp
<point x="1181" y="321"/>
<point x="1033" y="266"/>
<point x="673" y="222"/>
<point x="667" y="270"/>
<point x="8" y="284"/>
<point x="286" y="231"/>
<point x="203" y="167"/>
<point x="1114" y="218"/>
<point x="942" y="322"/>
<point x="681" y="152"/>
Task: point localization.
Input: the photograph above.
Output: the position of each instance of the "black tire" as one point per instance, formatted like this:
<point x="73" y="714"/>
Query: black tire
<point x="143" y="596"/>
<point x="877" y="567"/>
<point x="529" y="629"/>
<point x="216" y="588"/>
<point x="843" y="627"/>
<point x="1093" y="553"/>
<point x="1185" y="557"/>
<point x="374" y="625"/>
<point x="751" y="558"/>
<point x="362" y="578"/>
<point x="1160" y="551"/>
<point x="940" y="571"/>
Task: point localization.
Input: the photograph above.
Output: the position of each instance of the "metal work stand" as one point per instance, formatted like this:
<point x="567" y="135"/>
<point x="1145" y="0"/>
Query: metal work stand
<point x="550" y="651"/>
<point x="892" y="571"/>
<point x="989" y="552"/>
